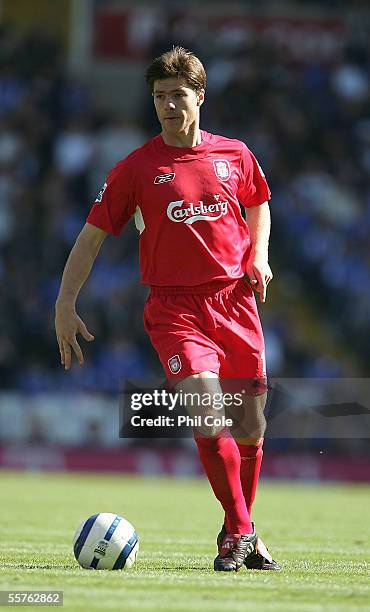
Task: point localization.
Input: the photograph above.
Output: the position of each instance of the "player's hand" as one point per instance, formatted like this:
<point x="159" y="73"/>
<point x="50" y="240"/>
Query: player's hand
<point x="259" y="273"/>
<point x="67" y="325"/>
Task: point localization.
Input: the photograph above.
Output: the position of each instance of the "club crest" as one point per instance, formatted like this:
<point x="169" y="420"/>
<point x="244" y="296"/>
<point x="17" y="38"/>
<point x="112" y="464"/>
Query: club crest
<point x="174" y="363"/>
<point x="222" y="169"/>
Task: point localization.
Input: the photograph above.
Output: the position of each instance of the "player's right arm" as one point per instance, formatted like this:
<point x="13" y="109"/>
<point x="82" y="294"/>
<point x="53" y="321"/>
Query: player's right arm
<point x="76" y="271"/>
<point x="113" y="207"/>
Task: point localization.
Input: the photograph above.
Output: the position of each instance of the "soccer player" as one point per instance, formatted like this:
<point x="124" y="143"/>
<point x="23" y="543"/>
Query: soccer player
<point x="184" y="188"/>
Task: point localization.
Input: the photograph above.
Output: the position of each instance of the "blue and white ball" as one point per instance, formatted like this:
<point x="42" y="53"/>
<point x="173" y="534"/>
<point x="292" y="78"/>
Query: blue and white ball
<point x="106" y="541"/>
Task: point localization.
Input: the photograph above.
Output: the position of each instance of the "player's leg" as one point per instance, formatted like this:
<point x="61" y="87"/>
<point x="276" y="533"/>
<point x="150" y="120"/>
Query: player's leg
<point x="243" y="371"/>
<point x="220" y="457"/>
<point x="181" y="328"/>
<point x="248" y="430"/>
<point x="218" y="452"/>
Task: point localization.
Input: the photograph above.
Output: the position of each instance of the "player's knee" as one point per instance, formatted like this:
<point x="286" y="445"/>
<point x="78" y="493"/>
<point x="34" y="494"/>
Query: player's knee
<point x="251" y="424"/>
<point x="208" y="431"/>
<point x="255" y="431"/>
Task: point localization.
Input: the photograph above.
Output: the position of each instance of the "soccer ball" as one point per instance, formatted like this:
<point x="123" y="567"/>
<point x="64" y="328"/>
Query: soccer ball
<point x="106" y="541"/>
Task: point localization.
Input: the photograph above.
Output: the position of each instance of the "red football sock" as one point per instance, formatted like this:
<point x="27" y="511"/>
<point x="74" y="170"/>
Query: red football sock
<point x="221" y="461"/>
<point x="250" y="465"/>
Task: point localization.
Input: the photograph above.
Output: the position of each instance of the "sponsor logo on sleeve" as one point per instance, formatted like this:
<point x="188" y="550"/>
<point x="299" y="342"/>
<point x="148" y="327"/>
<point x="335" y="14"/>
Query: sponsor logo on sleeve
<point x="100" y="194"/>
<point x="164" y="178"/>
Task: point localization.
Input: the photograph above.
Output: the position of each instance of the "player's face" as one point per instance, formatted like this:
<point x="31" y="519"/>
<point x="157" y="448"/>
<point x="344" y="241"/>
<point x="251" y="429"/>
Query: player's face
<point x="177" y="105"/>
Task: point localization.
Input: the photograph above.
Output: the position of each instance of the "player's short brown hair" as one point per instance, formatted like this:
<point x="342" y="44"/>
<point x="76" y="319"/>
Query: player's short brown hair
<point x="177" y="63"/>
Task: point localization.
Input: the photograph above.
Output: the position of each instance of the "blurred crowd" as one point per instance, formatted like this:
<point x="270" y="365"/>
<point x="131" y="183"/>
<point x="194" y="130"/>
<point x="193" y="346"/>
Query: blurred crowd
<point x="308" y="122"/>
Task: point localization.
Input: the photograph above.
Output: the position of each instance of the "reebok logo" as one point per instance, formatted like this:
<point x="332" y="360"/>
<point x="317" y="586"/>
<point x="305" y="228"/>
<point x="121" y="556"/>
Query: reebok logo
<point x="164" y="178"/>
<point x="189" y="213"/>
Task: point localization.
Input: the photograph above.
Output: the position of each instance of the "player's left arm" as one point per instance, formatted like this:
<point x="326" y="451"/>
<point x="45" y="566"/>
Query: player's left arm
<point x="258" y="269"/>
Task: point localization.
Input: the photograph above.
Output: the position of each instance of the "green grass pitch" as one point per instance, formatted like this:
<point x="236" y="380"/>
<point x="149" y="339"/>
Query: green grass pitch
<point x="319" y="533"/>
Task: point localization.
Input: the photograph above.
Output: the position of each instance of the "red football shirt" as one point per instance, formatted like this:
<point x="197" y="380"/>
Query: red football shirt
<point x="186" y="207"/>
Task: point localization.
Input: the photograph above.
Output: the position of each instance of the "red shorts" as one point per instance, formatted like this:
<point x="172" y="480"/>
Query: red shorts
<point x="213" y="327"/>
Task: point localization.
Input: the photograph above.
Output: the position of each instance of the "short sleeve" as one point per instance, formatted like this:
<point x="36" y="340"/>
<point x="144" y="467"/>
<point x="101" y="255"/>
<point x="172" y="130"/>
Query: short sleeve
<point x="115" y="203"/>
<point x="253" y="188"/>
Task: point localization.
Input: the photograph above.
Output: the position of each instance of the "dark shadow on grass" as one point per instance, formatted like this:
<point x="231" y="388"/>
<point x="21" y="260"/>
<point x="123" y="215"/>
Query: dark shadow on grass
<point x="39" y="566"/>
<point x="172" y="568"/>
